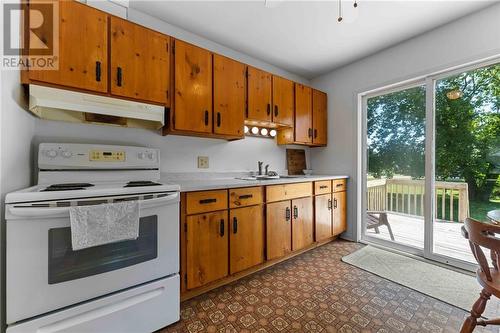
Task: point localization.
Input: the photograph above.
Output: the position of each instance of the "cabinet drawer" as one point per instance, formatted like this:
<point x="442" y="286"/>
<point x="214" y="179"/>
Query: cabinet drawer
<point x="288" y="191"/>
<point x="323" y="187"/>
<point x="206" y="201"/>
<point x="247" y="196"/>
<point x="339" y="185"/>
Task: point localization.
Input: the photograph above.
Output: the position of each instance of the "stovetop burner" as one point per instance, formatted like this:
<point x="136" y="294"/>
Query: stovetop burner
<point x="67" y="187"/>
<point x="138" y="183"/>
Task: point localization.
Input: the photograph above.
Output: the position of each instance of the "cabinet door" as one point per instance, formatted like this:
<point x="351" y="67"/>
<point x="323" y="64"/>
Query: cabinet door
<point x="246" y="238"/>
<point x="319" y="118"/>
<point x="83" y="49"/>
<point x="283" y="101"/>
<point x="193" y="88"/>
<point x="140" y="62"/>
<point x="229" y="96"/>
<point x="302" y="223"/>
<point x="278" y="229"/>
<point x="339" y="212"/>
<point x="303" y="114"/>
<point x="206" y="248"/>
<point x="323" y="216"/>
<point x="259" y="95"/>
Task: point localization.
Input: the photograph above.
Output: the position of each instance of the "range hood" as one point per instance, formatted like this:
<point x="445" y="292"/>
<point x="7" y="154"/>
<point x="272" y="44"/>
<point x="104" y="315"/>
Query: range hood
<point x="66" y="105"/>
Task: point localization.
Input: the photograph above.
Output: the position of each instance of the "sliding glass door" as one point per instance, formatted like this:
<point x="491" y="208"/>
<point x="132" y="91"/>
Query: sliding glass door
<point x="431" y="159"/>
<point x="467" y="152"/>
<point x="396" y="166"/>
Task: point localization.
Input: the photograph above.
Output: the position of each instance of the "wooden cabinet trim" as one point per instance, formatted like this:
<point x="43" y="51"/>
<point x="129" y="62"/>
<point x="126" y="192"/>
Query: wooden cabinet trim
<point x="322" y="187"/>
<point x="339" y="185"/>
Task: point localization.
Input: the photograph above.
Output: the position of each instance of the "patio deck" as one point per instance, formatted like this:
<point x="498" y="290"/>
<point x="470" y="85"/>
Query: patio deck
<point x="409" y="230"/>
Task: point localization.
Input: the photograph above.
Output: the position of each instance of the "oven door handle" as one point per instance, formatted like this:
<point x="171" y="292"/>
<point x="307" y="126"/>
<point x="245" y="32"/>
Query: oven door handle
<point x="45" y="212"/>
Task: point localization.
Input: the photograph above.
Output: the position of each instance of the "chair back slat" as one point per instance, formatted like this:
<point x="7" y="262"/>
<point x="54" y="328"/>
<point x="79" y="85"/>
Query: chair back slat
<point x="481" y="235"/>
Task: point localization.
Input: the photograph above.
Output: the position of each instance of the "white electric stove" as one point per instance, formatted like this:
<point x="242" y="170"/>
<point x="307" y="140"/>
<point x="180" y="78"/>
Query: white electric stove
<point x="128" y="286"/>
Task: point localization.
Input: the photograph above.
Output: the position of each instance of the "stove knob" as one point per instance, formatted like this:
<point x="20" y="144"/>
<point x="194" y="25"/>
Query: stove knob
<point x="150" y="156"/>
<point x="141" y="156"/>
<point x="51" y="153"/>
<point x="66" y="154"/>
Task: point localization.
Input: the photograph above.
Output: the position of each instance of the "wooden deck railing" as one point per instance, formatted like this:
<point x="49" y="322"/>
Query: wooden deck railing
<point x="406" y="196"/>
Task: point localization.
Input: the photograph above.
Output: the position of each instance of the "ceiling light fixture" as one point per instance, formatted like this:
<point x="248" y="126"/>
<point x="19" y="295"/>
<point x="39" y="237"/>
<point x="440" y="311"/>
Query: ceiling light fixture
<point x="454" y="94"/>
<point x="340" y="16"/>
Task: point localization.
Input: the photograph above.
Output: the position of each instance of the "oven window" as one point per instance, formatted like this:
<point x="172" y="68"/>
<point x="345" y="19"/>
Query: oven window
<point x="66" y="264"/>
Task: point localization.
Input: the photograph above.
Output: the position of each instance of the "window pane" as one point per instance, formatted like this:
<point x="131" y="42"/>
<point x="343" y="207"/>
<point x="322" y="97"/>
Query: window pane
<point x="467" y="155"/>
<point x="396" y="166"/>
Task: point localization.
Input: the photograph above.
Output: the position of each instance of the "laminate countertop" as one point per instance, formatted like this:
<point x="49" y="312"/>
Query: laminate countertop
<point x="201" y="181"/>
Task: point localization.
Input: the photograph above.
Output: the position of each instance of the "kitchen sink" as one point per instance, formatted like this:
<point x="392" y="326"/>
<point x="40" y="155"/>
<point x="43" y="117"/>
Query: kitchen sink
<point x="254" y="178"/>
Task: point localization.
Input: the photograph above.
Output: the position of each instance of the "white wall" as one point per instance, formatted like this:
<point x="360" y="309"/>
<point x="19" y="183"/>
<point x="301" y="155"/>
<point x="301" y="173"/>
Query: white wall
<point x="473" y="37"/>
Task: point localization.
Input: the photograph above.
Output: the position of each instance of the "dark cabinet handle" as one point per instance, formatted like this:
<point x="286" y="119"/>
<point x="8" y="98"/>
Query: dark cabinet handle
<point x="268" y="109"/>
<point x="206" y="117"/>
<point x="334" y="203"/>
<point x="329" y="204"/>
<point x="98" y="71"/>
<point x="119" y="76"/>
<point x="245" y="196"/>
<point x="287" y="213"/>
<point x="218" y="119"/>
<point x="339" y="185"/>
<point x="207" y="201"/>
<point x="315" y="133"/>
<point x="323" y="186"/>
<point x="221" y="228"/>
<point x="309" y="132"/>
<point x="235" y="225"/>
<point x="295" y="212"/>
<point x="275" y="110"/>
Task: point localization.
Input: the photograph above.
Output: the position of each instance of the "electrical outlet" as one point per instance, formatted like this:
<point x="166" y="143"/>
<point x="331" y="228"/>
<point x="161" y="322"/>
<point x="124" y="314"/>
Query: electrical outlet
<point x="202" y="162"/>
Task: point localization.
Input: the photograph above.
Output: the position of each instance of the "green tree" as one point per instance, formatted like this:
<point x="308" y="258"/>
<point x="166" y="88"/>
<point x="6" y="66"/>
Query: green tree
<point x="467" y="129"/>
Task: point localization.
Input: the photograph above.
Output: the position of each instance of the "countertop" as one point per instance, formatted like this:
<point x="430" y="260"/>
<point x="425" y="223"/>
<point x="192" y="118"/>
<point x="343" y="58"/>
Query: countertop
<point x="203" y="181"/>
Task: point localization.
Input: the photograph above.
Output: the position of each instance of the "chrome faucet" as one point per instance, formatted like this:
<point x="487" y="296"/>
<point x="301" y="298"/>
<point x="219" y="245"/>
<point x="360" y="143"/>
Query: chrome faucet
<point x="260" y="167"/>
<point x="267" y="169"/>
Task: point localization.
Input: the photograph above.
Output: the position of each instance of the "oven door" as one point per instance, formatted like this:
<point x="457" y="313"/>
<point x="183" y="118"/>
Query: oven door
<point x="45" y="274"/>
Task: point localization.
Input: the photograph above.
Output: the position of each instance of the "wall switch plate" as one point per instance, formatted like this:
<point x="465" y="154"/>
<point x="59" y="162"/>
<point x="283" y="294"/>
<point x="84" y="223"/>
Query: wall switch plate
<point x="202" y="162"/>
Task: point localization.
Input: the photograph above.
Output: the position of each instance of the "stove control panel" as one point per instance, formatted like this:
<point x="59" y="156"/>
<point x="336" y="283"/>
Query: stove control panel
<point x="107" y="156"/>
<point x="53" y="156"/>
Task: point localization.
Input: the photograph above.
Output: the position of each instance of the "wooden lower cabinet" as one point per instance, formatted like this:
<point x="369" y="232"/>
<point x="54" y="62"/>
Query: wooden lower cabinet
<point x="323" y="216"/>
<point x="339" y="212"/>
<point x="302" y="223"/>
<point x="278" y="229"/>
<point x="207" y="248"/>
<point x="246" y="238"/>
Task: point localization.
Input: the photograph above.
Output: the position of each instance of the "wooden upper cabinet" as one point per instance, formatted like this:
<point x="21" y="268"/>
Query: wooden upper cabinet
<point x="302" y="223"/>
<point x="193" y="88"/>
<point x="278" y="229"/>
<point x="207" y="248"/>
<point x="259" y="95"/>
<point x="246" y="238"/>
<point x="303" y="114"/>
<point x="320" y="117"/>
<point x="283" y="101"/>
<point x="229" y="96"/>
<point x="83" y="49"/>
<point x="339" y="212"/>
<point x="140" y="62"/>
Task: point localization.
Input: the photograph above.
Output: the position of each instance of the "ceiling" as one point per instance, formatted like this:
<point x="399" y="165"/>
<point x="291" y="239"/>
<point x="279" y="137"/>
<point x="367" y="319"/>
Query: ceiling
<point x="304" y="37"/>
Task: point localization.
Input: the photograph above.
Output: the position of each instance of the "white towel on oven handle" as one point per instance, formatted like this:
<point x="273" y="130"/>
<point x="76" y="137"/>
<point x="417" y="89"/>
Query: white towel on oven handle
<point x="103" y="224"/>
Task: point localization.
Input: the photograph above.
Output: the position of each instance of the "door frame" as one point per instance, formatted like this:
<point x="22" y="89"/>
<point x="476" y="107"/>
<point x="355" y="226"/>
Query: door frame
<point x="429" y="81"/>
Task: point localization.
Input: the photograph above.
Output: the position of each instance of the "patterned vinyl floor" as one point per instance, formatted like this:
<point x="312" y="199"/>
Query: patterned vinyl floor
<point x="317" y="292"/>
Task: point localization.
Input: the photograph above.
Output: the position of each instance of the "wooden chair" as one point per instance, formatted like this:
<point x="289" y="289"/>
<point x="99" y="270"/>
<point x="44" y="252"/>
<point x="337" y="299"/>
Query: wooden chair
<point x="481" y="234"/>
<point x="374" y="222"/>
